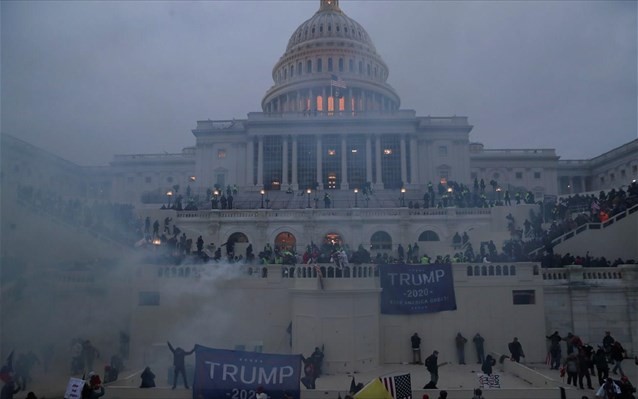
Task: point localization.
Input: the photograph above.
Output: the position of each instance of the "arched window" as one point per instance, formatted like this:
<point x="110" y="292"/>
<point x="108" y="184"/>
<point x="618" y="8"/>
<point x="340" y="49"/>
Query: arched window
<point x="300" y="67"/>
<point x="381" y="240"/>
<point x="285" y="241"/>
<point x="308" y="66"/>
<point x="469" y="271"/>
<point x="498" y="270"/>
<point x="329" y="64"/>
<point x="333" y="239"/>
<point x="319" y="65"/>
<point x="292" y="71"/>
<point x="351" y="65"/>
<point x="429" y="235"/>
<point x="340" y="64"/>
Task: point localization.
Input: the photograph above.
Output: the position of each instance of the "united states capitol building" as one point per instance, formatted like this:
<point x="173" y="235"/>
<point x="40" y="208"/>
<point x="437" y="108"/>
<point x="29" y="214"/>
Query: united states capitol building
<point x="330" y="127"/>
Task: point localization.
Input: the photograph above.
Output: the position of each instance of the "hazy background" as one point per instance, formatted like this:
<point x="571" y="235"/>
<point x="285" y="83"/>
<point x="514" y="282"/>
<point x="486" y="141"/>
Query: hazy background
<point x="86" y="80"/>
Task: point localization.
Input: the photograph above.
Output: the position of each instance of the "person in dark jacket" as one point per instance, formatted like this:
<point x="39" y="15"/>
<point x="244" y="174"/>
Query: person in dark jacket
<point x="554" y="349"/>
<point x="432" y="365"/>
<point x="148" y="378"/>
<point x="416" y="349"/>
<point x="516" y="350"/>
<point x="487" y="365"/>
<point x="602" y="367"/>
<point x="179" y="365"/>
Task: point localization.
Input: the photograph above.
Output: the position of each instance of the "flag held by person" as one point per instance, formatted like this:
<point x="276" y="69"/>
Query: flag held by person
<point x="399" y="385"/>
<point x="373" y="390"/>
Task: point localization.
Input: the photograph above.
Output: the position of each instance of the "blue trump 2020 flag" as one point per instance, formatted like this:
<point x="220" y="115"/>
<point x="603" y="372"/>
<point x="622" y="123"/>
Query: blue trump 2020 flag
<point x="232" y="374"/>
<point x="410" y="289"/>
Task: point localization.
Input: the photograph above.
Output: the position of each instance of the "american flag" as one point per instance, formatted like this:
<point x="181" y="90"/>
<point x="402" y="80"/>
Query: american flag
<point x="399" y="386"/>
<point x="336" y="81"/>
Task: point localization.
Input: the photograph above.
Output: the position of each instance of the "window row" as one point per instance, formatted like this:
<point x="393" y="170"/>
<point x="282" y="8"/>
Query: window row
<point x="332" y="65"/>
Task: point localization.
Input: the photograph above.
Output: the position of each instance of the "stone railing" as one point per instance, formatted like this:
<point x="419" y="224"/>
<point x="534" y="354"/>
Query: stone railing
<point x="581" y="275"/>
<point x="309" y="213"/>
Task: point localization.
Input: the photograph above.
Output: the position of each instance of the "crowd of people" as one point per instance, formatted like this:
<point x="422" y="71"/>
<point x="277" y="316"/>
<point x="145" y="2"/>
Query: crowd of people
<point x="583" y="362"/>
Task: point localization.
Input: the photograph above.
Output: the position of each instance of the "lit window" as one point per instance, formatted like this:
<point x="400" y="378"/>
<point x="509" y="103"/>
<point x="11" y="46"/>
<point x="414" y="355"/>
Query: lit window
<point x="332" y="152"/>
<point x="192" y="178"/>
<point x="221" y="154"/>
<point x="387" y="151"/>
<point x="354" y="150"/>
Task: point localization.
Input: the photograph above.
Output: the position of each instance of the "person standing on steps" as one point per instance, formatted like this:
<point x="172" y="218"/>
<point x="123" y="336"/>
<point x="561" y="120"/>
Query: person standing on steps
<point x="179" y="365"/>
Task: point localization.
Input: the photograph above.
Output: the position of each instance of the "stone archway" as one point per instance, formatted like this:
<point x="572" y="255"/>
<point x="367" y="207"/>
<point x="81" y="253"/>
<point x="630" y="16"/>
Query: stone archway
<point x="236" y="244"/>
<point x="286" y="241"/>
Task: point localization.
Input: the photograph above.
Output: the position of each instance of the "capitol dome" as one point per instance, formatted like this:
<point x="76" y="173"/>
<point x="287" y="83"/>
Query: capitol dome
<point x="332" y="23"/>
<point x="330" y="66"/>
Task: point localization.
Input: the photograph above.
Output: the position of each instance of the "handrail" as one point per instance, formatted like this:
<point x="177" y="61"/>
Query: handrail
<point x="588" y="226"/>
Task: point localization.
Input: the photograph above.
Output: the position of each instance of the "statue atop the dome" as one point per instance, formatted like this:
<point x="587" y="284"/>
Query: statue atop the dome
<point x="329" y="5"/>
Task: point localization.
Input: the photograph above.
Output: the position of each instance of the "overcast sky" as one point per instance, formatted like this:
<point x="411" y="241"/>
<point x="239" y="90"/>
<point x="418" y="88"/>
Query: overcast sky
<point x="86" y="80"/>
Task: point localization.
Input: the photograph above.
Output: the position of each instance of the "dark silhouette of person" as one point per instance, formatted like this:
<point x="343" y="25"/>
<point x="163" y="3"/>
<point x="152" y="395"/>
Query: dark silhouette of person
<point x="156" y="228"/>
<point x="478" y="343"/>
<point x="310" y="373"/>
<point x="416" y="349"/>
<point x="179" y="365"/>
<point x="431" y="364"/>
<point x="317" y="358"/>
<point x="516" y="350"/>
<point x="148" y="378"/>
<point x="200" y="244"/>
<point x="487" y="365"/>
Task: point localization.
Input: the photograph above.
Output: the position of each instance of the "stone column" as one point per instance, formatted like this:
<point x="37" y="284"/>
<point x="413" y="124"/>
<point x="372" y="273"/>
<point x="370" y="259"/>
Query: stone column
<point x="404" y="158"/>
<point x="250" y="160"/>
<point x="344" y="164"/>
<point x="414" y="162"/>
<point x="379" y="180"/>
<point x="319" y="163"/>
<point x="368" y="159"/>
<point x="294" y="183"/>
<point x="260" y="161"/>
<point x="284" y="163"/>
<point x="324" y="101"/>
